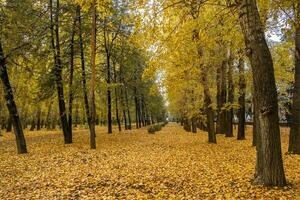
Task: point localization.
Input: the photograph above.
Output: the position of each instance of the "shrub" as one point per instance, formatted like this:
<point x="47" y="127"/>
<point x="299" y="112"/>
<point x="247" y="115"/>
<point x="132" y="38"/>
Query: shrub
<point x="157" y="127"/>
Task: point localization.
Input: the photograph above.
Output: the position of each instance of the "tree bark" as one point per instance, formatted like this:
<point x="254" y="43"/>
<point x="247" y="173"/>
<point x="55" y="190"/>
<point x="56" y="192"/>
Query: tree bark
<point x="223" y="98"/>
<point x="84" y="85"/>
<point x="269" y="165"/>
<point x="127" y="107"/>
<point x="219" y="100"/>
<point x="230" y="85"/>
<point x="294" y="141"/>
<point x="11" y="105"/>
<point x="58" y="71"/>
<point x="241" y="100"/>
<point x="93" y="78"/>
<point x="71" y="89"/>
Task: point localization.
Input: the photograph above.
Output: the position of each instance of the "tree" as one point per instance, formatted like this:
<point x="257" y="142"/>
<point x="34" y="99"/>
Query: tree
<point x="11" y="105"/>
<point x="269" y="165"/>
<point x="294" y="142"/>
<point x="55" y="42"/>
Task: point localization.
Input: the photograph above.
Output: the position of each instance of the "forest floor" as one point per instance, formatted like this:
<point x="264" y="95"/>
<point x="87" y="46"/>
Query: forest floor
<point x="171" y="164"/>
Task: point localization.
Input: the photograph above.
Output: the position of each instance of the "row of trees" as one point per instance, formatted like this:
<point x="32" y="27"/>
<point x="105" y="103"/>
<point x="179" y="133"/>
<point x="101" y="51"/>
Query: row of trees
<point x="85" y="54"/>
<point x="211" y="50"/>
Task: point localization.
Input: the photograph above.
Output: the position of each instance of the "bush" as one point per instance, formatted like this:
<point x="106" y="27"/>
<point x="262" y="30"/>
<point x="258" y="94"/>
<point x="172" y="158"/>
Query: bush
<point x="156" y="127"/>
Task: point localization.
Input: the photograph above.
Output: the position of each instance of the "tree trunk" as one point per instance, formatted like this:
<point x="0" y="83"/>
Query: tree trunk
<point x="93" y="78"/>
<point x="58" y="71"/>
<point x="137" y="110"/>
<point x="76" y="116"/>
<point x="219" y="100"/>
<point x="294" y="142"/>
<point x="84" y="86"/>
<point x="241" y="100"/>
<point x="127" y="108"/>
<point x="229" y="110"/>
<point x="194" y="127"/>
<point x="48" y="118"/>
<point x="9" y="124"/>
<point x="71" y="92"/>
<point x="11" y="105"/>
<point x="269" y="165"/>
<point x="116" y="99"/>
<point x="223" y="99"/>
<point x="209" y="111"/>
<point x="38" y="117"/>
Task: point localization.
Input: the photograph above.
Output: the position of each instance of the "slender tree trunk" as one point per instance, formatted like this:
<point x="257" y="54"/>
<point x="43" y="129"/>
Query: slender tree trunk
<point x="219" y="100"/>
<point x="229" y="111"/>
<point x="127" y="108"/>
<point x="116" y="99"/>
<point x="294" y="142"/>
<point x="38" y="117"/>
<point x="11" y="105"/>
<point x="76" y="116"/>
<point x="223" y="99"/>
<point x="194" y="127"/>
<point x="58" y="71"/>
<point x="33" y="124"/>
<point x="48" y="118"/>
<point x="241" y="100"/>
<point x="71" y="92"/>
<point x="83" y="74"/>
<point x="269" y="165"/>
<point x="137" y="110"/>
<point x="93" y="78"/>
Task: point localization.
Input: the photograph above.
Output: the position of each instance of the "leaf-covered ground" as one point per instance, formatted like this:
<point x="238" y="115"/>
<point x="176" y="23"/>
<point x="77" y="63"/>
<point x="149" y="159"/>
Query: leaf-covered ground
<point x="171" y="164"/>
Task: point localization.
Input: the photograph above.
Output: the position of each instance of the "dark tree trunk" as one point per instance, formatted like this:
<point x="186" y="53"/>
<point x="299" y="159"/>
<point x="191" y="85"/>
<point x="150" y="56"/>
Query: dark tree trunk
<point x="229" y="110"/>
<point x="116" y="99"/>
<point x="223" y="99"/>
<point x="9" y="124"/>
<point x="269" y="165"/>
<point x="194" y="127"/>
<point x="84" y="85"/>
<point x="241" y="101"/>
<point x="71" y="92"/>
<point x="127" y="108"/>
<point x="38" y="121"/>
<point x="58" y="71"/>
<point x="76" y="116"/>
<point x="108" y="79"/>
<point x="33" y="124"/>
<point x="124" y="109"/>
<point x="11" y="105"/>
<point x="219" y="100"/>
<point x="207" y="102"/>
<point x="136" y="109"/>
<point x="93" y="78"/>
<point x="49" y="115"/>
<point x="294" y="142"/>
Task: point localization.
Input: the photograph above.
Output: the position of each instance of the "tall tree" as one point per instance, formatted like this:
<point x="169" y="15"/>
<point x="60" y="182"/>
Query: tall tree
<point x="11" y="105"/>
<point x="269" y="164"/>
<point x="55" y="42"/>
<point x="294" y="142"/>
<point x="93" y="78"/>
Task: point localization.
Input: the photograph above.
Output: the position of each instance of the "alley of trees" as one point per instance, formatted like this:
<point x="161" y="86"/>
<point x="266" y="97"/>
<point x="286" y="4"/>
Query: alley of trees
<point x="137" y="99"/>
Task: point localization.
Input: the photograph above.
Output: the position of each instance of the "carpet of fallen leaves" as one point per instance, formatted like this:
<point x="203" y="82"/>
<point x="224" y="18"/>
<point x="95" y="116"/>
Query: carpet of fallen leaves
<point x="171" y="164"/>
